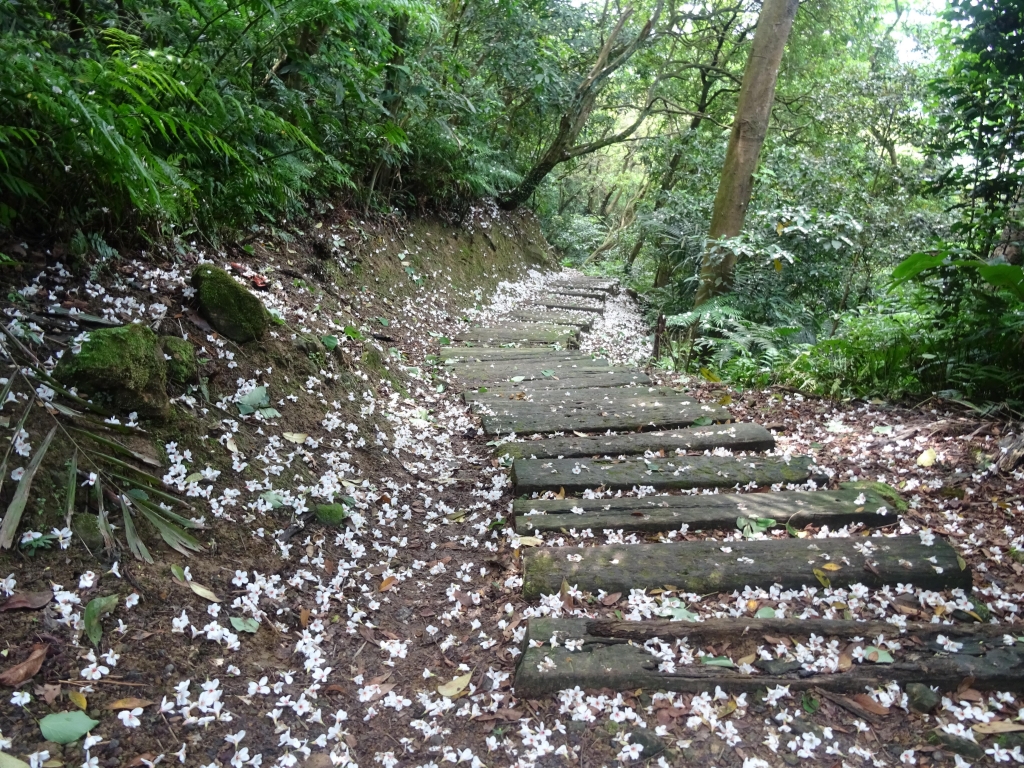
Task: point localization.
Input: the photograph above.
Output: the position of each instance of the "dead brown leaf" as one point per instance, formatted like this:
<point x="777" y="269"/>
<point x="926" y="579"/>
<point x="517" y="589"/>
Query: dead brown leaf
<point x="870" y="704"/>
<point x="19" y="673"/>
<point x="130" y="703"/>
<point x="304" y="617"/>
<point x="611" y="599"/>
<point x="50" y="693"/>
<point x="29" y="600"/>
<point x="387" y="584"/>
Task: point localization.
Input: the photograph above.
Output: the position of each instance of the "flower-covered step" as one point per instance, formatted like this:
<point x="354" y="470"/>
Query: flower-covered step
<point x="560" y="655"/>
<point x="585" y="413"/>
<point x="533" y="374"/>
<point x="582" y="320"/>
<point x="569" y="302"/>
<point x="735" y="437"/>
<point x="714" y="512"/>
<point x="518" y="333"/>
<point x="704" y="567"/>
<point x="601" y="284"/>
<point x="470" y="354"/>
<point x="577" y="475"/>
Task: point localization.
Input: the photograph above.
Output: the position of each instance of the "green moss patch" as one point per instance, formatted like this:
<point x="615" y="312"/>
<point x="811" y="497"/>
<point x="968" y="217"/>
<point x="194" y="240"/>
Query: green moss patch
<point x="123" y="366"/>
<point x="331" y="514"/>
<point x="182" y="366"/>
<point x="232" y="310"/>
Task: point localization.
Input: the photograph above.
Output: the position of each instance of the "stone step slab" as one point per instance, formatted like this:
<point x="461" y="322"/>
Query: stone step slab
<point x="566" y="302"/>
<point x="468" y="354"/>
<point x="605" y="285"/>
<point x="735" y="437"/>
<point x="579" y="397"/>
<point x="580" y="293"/>
<point x="577" y="475"/>
<point x="525" y="333"/>
<point x="583" y="321"/>
<point x="522" y="416"/>
<point x="710" y="567"/>
<point x="705" y="512"/>
<point x="600" y="662"/>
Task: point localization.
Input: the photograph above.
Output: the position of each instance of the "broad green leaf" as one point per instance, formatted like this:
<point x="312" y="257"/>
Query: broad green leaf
<point x="97" y="608"/>
<point x="245" y="625"/>
<point x="9" y="761"/>
<point x="717" y="661"/>
<point x="877" y="655"/>
<point x="765" y="612"/>
<point x="703" y="421"/>
<point x="178" y="572"/>
<point x="330" y="342"/>
<point x="66" y="727"/>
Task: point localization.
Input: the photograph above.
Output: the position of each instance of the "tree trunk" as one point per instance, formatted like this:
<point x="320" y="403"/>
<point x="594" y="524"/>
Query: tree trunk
<point x="574" y="119"/>
<point x="748" y="132"/>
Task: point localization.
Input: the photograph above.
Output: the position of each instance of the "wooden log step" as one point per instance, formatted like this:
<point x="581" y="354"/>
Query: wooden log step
<point x="577" y="475"/>
<point x="583" y="321"/>
<point x="515" y="354"/>
<point x="598" y="377"/>
<point x="613" y="662"/>
<point x="523" y="333"/>
<point x="605" y="285"/>
<point x="530" y="369"/>
<point x="735" y="437"/>
<point x="581" y="397"/>
<point x="564" y="302"/>
<point x="720" y="511"/>
<point x="523" y="417"/>
<point x="581" y="293"/>
<point x="708" y="567"/>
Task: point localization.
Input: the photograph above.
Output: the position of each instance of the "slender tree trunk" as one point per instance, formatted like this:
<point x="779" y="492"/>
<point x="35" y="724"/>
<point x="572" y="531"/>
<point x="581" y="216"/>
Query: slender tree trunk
<point x="745" y="141"/>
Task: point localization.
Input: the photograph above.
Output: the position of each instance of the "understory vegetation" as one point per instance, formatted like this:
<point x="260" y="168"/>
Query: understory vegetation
<point x="880" y="254"/>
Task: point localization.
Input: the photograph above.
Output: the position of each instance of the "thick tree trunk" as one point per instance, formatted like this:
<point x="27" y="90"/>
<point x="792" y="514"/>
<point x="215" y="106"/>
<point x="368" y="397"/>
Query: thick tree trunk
<point x="748" y="132"/>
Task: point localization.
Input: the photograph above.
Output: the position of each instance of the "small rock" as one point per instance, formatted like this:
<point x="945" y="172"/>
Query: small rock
<point x="318" y="760"/>
<point x="331" y="514"/>
<point x="777" y="667"/>
<point x="957" y="744"/>
<point x="231" y="309"/>
<point x="169" y="669"/>
<point x="652" y="744"/>
<point x="790" y="759"/>
<point x="921" y="698"/>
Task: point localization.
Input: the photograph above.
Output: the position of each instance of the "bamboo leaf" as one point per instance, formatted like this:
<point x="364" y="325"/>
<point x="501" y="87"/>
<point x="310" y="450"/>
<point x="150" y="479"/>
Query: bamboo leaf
<point x="69" y="502"/>
<point x="17" y="505"/>
<point x="134" y="542"/>
<point x="118" y="448"/>
<point x="103" y="522"/>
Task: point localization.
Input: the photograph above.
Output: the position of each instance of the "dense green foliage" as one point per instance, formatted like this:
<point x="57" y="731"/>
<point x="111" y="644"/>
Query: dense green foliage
<point x="881" y="253"/>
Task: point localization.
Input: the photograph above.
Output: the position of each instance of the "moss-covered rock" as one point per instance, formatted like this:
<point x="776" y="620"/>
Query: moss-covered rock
<point x="182" y="366"/>
<point x="231" y="309"/>
<point x="87" y="528"/>
<point x="331" y="514"/>
<point x="123" y="366"/>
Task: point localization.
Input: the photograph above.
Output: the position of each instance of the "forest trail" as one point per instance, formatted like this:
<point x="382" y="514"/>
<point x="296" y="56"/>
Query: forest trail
<point x="594" y="429"/>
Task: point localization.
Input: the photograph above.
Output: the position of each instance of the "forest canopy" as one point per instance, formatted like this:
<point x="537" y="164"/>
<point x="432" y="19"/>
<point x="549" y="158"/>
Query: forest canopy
<point x="880" y="251"/>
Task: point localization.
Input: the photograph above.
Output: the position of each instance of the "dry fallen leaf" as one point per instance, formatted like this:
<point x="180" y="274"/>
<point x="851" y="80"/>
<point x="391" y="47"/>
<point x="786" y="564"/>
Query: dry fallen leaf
<point x="29" y="600"/>
<point x="611" y="599"/>
<point x="997" y="726"/>
<point x="78" y="699"/>
<point x="50" y="693"/>
<point x="204" y="592"/>
<point x="456" y="687"/>
<point x="927" y="458"/>
<point x="831" y="566"/>
<point x="560" y="494"/>
<point x="386" y="584"/>
<point x="530" y="541"/>
<point x="295" y="437"/>
<point x="19" y="673"/>
<point x="129" y="703"/>
<point x="870" y="704"/>
<point x="304" y="617"/>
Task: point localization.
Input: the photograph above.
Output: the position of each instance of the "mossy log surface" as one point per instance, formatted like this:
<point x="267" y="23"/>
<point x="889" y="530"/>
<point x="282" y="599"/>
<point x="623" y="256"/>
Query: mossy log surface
<point x="582" y="321"/>
<point x="720" y="511"/>
<point x="565" y="302"/>
<point x="583" y="375"/>
<point x="704" y="567"/>
<point x="537" y="475"/>
<point x="522" y="416"/>
<point x="514" y="354"/>
<point x="580" y="293"/>
<point x="613" y="663"/>
<point x="735" y="437"/>
<point x="605" y="285"/>
<point x="501" y="397"/>
<point x="525" y="334"/>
